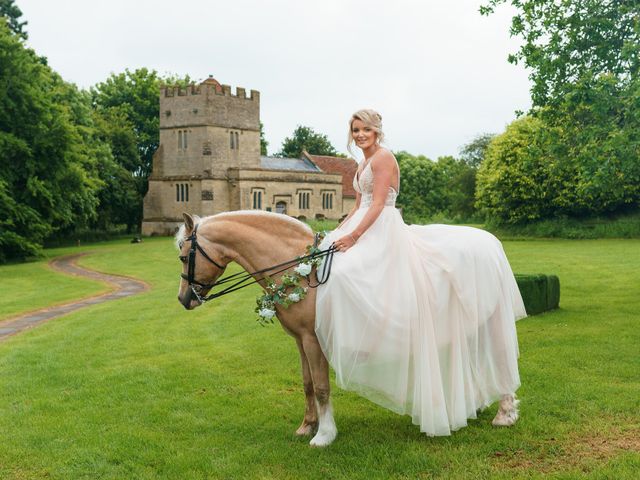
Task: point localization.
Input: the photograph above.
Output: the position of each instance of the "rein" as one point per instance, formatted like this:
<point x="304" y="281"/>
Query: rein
<point x="244" y="279"/>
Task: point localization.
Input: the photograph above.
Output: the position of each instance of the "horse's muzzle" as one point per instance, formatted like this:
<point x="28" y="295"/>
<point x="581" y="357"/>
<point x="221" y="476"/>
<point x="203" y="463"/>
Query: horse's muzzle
<point x="189" y="300"/>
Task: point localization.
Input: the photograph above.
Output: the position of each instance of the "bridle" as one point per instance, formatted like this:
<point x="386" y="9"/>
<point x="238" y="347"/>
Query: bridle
<point x="244" y="279"/>
<point x="191" y="265"/>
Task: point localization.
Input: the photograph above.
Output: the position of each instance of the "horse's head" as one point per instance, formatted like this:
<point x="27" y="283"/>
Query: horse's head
<point x="201" y="264"/>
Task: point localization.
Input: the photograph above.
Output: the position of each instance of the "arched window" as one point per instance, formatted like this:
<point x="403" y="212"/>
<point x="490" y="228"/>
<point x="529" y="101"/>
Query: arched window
<point x="303" y="200"/>
<point x="257" y="199"/>
<point x="327" y="200"/>
<point x="234" y="140"/>
<point x="182" y="192"/>
<point x="281" y="207"/>
<point x="182" y="139"/>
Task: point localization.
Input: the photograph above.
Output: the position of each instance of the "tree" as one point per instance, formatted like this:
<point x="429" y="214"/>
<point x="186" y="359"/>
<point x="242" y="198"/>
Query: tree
<point x="48" y="177"/>
<point x="136" y="95"/>
<point x="537" y="170"/>
<point x="263" y="141"/>
<point x="568" y="42"/>
<point x="304" y="138"/>
<point x="579" y="157"/>
<point x="459" y="184"/>
<point x="10" y="11"/>
<point x="127" y="112"/>
<point x="514" y="179"/>
<point x="120" y="198"/>
<point x="422" y="190"/>
<point x="473" y="152"/>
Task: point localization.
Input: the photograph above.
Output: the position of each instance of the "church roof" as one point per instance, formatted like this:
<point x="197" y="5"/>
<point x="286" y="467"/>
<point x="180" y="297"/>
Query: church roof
<point x="296" y="164"/>
<point x="344" y="166"/>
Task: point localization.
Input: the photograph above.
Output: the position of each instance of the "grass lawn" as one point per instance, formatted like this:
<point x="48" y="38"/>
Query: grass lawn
<point x="34" y="285"/>
<point x="140" y="388"/>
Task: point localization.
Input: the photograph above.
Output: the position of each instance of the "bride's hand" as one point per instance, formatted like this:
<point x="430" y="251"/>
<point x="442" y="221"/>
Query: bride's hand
<point x="345" y="243"/>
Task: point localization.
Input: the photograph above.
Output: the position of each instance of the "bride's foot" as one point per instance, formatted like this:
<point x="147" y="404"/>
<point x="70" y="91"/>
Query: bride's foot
<point x="508" y="412"/>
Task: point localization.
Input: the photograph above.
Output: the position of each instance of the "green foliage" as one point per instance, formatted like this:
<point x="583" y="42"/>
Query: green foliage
<point x="320" y="225"/>
<point x="289" y="288"/>
<point x="305" y="138"/>
<point x="48" y="154"/>
<point x="566" y="42"/>
<point x="422" y="188"/>
<point x="141" y="388"/>
<point x="622" y="226"/>
<point x="459" y="187"/>
<point x="11" y="13"/>
<point x="579" y="161"/>
<point x="514" y="182"/>
<point x="429" y="189"/>
<point x="473" y="153"/>
<point x="135" y="95"/>
<point x="263" y="141"/>
<point x="581" y="157"/>
<point x="122" y="195"/>
<point x="127" y="115"/>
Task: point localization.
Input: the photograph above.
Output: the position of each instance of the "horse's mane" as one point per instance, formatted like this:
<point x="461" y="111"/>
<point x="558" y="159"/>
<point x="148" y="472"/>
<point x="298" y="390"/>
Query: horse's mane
<point x="250" y="217"/>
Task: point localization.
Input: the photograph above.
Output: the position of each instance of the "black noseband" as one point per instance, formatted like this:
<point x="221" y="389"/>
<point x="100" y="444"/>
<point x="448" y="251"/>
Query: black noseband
<point x="191" y="265"/>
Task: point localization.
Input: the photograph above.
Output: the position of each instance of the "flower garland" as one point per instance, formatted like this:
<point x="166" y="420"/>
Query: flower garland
<point x="289" y="290"/>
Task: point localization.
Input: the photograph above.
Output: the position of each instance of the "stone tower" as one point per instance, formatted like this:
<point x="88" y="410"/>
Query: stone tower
<point x="205" y="130"/>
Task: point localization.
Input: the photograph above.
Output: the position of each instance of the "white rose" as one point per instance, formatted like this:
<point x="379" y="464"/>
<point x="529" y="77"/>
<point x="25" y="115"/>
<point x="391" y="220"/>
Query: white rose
<point x="303" y="269"/>
<point x="294" y="297"/>
<point x="266" y="313"/>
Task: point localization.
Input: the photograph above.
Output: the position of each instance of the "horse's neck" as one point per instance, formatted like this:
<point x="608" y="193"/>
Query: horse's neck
<point x="256" y="245"/>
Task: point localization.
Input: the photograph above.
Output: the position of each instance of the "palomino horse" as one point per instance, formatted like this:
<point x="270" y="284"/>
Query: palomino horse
<point x="258" y="240"/>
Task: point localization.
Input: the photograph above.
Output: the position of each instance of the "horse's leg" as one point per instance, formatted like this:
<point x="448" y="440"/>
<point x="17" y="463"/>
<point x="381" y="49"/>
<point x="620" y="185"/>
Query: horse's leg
<point x="507" y="412"/>
<point x="319" y="366"/>
<point x="310" y="420"/>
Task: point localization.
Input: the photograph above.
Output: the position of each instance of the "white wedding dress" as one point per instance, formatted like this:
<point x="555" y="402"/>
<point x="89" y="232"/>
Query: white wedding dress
<point x="420" y="319"/>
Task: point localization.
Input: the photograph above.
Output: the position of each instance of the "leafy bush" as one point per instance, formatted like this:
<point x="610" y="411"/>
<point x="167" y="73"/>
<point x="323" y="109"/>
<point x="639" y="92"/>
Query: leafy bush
<point x="442" y="189"/>
<point x="578" y="160"/>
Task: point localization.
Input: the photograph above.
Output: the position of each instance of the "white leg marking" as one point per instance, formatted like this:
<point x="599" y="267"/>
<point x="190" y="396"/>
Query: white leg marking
<point x="327" y="430"/>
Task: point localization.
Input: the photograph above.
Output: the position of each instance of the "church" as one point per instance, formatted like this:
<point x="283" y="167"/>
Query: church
<point x="208" y="161"/>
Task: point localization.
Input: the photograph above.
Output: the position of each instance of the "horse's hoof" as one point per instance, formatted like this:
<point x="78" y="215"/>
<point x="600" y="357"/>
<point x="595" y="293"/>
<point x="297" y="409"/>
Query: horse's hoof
<point x="507" y="413"/>
<point x="322" y="439"/>
<point x="306" y="429"/>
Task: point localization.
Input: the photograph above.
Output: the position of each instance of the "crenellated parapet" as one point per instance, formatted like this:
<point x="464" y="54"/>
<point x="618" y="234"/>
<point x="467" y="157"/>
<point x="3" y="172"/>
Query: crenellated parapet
<point x="209" y="86"/>
<point x="209" y="103"/>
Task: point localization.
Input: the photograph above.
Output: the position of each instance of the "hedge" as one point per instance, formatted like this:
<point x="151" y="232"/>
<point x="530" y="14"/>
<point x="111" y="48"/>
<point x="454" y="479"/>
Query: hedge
<point x="539" y="292"/>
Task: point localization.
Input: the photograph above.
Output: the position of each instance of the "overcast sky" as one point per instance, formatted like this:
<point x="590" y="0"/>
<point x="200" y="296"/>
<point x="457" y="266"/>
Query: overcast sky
<point x="436" y="70"/>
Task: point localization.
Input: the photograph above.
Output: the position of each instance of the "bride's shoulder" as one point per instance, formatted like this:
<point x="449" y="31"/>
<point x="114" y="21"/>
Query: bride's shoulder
<point x="383" y="156"/>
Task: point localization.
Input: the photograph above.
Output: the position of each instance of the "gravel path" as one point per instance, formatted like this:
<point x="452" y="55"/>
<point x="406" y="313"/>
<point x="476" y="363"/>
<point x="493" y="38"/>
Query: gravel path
<point x="121" y="287"/>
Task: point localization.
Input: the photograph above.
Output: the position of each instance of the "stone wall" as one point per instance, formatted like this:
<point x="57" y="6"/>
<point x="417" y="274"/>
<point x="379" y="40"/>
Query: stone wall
<point x="210" y="144"/>
<point x="286" y="186"/>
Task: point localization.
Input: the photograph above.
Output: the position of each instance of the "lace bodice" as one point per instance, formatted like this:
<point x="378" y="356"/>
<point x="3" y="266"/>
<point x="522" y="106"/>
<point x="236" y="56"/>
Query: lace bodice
<point x="363" y="184"/>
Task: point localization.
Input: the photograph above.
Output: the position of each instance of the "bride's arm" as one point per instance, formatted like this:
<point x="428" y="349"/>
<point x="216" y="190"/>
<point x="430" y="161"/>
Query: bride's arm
<point x="383" y="167"/>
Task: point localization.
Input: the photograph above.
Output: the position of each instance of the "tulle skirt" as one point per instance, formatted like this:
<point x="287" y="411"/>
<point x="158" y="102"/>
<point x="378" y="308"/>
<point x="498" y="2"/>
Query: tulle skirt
<point x="421" y="319"/>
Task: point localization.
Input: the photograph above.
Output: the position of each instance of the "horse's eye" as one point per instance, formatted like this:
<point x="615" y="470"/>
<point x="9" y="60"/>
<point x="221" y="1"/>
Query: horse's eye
<point x="183" y="258"/>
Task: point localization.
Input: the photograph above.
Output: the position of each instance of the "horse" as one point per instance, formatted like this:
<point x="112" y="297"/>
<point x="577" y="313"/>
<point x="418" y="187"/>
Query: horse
<point x="257" y="240"/>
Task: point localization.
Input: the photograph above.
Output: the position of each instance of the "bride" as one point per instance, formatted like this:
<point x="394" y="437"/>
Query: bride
<point x="418" y="319"/>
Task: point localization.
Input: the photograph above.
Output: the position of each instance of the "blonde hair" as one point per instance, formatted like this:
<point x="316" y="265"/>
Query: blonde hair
<point x="371" y="119"/>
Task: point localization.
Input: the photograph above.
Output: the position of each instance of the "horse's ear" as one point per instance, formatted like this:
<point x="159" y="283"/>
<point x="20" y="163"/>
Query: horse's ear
<point x="188" y="223"/>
